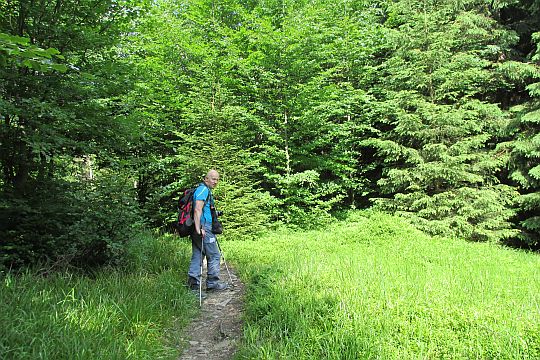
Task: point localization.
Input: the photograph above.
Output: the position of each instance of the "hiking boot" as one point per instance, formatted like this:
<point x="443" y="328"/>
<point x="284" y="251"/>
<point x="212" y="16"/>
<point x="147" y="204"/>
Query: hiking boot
<point x="220" y="286"/>
<point x="195" y="291"/>
<point x="192" y="282"/>
<point x="194" y="287"/>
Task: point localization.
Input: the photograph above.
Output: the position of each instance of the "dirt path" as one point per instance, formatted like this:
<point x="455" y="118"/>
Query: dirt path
<point x="216" y="332"/>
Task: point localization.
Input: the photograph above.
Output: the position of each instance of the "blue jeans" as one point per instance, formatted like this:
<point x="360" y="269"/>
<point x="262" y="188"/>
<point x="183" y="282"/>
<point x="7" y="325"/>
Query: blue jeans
<point x="210" y="250"/>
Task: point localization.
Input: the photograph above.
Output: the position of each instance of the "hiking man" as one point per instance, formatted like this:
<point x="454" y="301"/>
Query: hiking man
<point x="203" y="240"/>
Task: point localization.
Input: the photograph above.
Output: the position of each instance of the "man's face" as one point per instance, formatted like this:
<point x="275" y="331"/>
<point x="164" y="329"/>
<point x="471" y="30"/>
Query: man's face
<point x="212" y="180"/>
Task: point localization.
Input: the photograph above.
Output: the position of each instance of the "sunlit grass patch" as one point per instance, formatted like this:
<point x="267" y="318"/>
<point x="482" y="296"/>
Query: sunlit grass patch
<point x="131" y="314"/>
<point x="373" y="287"/>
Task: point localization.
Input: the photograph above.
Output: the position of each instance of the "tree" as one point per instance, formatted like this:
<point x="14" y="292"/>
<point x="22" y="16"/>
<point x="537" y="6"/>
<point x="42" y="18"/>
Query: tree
<point x="49" y="120"/>
<point x="305" y="80"/>
<point x="441" y="123"/>
<point x="519" y="91"/>
<point x="192" y="113"/>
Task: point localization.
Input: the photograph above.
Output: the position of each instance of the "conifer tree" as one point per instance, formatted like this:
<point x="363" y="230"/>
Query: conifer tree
<point x="524" y="162"/>
<point x="439" y="126"/>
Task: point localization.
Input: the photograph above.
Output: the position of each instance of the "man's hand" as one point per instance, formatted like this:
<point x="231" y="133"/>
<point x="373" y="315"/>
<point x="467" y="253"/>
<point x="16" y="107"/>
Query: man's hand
<point x="197" y="238"/>
<point x="199" y="232"/>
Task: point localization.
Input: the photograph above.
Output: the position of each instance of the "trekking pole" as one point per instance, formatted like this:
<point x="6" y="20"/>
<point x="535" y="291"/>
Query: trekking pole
<point x="201" y="273"/>
<point x="225" y="262"/>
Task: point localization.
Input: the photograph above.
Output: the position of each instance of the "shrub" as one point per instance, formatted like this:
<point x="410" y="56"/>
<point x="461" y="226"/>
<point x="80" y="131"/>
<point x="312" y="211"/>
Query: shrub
<point x="66" y="223"/>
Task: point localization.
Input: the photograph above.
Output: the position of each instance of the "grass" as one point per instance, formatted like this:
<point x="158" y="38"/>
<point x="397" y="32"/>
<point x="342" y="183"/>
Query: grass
<point x="130" y="314"/>
<point x="371" y="287"/>
<point x="374" y="288"/>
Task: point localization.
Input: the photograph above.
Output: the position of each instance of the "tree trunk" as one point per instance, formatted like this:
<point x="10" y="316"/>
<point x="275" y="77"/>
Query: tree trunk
<point x="287" y="154"/>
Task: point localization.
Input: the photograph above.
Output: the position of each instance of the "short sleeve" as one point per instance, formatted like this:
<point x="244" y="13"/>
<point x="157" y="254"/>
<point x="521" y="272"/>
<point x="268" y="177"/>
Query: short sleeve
<point x="201" y="193"/>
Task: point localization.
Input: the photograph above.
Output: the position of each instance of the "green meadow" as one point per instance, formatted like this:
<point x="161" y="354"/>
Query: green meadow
<point x="369" y="287"/>
<point x="374" y="288"/>
<point x="133" y="313"/>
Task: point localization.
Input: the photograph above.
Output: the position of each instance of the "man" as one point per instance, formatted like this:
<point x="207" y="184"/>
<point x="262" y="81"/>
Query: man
<point x="203" y="241"/>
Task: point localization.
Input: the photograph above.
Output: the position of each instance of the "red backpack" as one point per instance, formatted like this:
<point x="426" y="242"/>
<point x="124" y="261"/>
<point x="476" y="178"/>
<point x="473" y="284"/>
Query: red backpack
<point x="185" y="225"/>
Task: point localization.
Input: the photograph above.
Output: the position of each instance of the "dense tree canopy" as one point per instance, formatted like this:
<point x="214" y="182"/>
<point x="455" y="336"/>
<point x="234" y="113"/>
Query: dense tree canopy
<point x="60" y="129"/>
<point x="109" y="109"/>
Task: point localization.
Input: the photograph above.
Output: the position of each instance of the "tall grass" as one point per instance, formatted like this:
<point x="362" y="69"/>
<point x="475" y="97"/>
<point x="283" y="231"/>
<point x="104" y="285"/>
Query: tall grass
<point x="135" y="313"/>
<point x="368" y="288"/>
<point x="375" y="288"/>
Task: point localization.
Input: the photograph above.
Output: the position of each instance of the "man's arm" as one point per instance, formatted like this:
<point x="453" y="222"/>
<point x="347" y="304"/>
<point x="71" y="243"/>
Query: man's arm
<point x="197" y="213"/>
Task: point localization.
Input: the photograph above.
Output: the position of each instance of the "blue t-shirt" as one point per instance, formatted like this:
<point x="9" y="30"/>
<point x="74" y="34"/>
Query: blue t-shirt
<point x="202" y="193"/>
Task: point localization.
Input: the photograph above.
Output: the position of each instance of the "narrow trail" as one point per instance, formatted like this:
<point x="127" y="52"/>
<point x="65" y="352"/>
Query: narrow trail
<point x="215" y="333"/>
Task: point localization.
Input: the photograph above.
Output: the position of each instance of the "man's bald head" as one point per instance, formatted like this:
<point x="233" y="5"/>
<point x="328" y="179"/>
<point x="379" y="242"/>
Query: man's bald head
<point x="211" y="179"/>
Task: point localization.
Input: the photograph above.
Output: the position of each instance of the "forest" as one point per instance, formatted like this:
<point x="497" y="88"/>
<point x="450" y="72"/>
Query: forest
<point x="425" y="109"/>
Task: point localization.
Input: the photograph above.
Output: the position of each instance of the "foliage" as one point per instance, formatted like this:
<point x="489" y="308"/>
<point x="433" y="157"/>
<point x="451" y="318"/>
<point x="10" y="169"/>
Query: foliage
<point x="88" y="224"/>
<point x="310" y="104"/>
<point x="52" y="117"/>
<point x="324" y="107"/>
<point x="19" y="50"/>
<point x="306" y="108"/>
<point x="522" y="76"/>
<point x="188" y="121"/>
<point x="524" y="165"/>
<point x="441" y="122"/>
